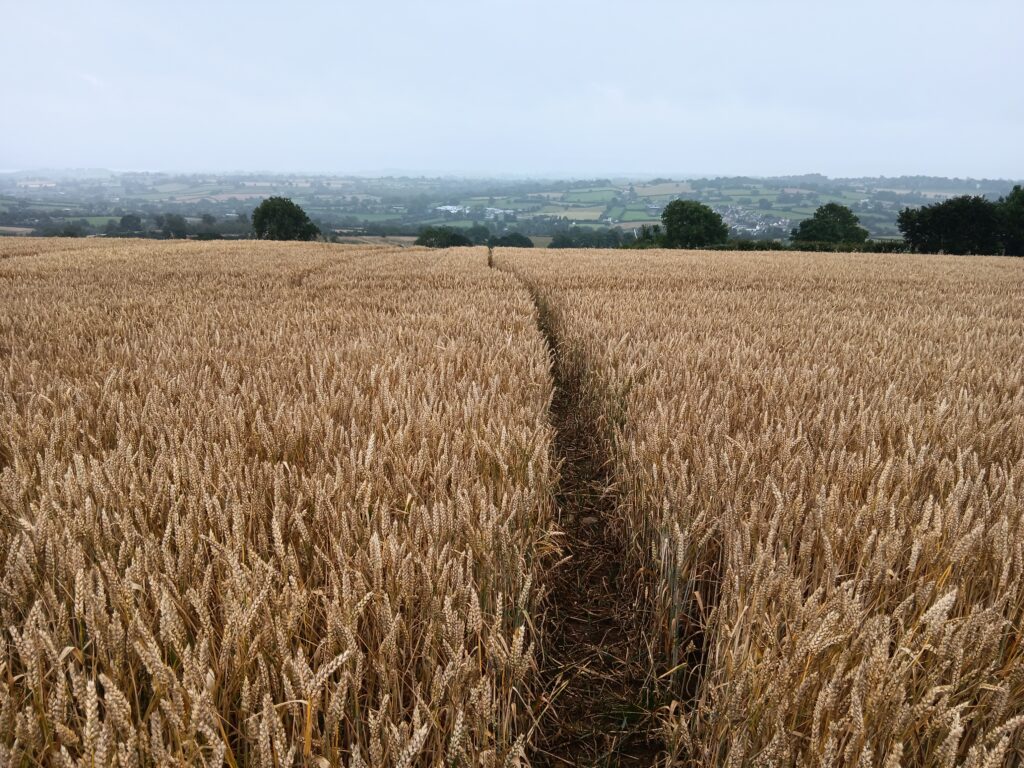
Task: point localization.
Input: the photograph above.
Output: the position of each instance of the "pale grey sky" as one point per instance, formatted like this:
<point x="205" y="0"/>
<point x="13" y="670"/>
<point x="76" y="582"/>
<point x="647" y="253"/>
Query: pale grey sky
<point x="549" y="88"/>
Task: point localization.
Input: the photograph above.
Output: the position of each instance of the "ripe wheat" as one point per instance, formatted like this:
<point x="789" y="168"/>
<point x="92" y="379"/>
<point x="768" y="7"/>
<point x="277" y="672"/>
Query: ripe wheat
<point x="291" y="504"/>
<point x="821" y="459"/>
<point x="267" y="505"/>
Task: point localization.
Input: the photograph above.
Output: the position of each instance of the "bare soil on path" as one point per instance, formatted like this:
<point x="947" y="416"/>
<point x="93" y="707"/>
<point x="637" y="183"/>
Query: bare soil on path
<point x="595" y="666"/>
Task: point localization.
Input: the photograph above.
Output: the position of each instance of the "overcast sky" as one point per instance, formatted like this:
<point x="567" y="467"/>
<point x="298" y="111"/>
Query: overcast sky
<point x="545" y="88"/>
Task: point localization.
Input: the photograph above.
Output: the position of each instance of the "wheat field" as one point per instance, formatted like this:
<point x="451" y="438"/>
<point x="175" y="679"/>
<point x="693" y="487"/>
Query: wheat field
<point x="267" y="505"/>
<point x="819" y="464"/>
<point x="296" y="504"/>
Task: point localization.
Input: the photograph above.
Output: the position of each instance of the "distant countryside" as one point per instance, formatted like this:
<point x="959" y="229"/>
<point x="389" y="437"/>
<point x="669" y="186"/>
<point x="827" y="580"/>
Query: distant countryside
<point x="351" y="208"/>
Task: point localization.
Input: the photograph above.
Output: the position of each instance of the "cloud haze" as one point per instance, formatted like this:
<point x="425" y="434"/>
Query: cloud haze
<point x="578" y="88"/>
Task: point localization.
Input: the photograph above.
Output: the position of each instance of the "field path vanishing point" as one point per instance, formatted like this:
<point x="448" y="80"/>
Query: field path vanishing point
<point x="594" y="667"/>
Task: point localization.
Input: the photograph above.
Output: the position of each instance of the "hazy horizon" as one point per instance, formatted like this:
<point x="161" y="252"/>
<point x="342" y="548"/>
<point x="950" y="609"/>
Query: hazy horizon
<point x="539" y="90"/>
<point x="482" y="175"/>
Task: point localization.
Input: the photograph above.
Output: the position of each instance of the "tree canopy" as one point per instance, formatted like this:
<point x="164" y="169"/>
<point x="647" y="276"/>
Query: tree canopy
<point x="689" y="224"/>
<point x="1011" y="209"/>
<point x="512" y="240"/>
<point x="478" y="233"/>
<point x="831" y="223"/>
<point x="442" y="237"/>
<point x="959" y="225"/>
<point x="174" y="225"/>
<point x="278" y="218"/>
<point x="130" y="222"/>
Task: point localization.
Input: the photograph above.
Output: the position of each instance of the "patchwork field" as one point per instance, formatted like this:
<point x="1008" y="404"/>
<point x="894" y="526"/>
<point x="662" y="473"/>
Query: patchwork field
<point x="575" y="212"/>
<point x="299" y="504"/>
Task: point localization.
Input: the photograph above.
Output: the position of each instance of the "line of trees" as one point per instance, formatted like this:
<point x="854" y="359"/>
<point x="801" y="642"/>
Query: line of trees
<point x="443" y="237"/>
<point x="176" y="226"/>
<point x="151" y="226"/>
<point x="967" y="224"/>
<point x="449" y="237"/>
<point x="168" y="225"/>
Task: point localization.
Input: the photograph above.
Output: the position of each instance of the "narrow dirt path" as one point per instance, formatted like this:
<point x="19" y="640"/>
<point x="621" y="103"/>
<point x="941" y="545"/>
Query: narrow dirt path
<point x="595" y="666"/>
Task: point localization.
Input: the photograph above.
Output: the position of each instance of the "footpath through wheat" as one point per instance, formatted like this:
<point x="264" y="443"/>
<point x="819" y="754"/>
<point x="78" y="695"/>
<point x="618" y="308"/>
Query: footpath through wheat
<point x="595" y="663"/>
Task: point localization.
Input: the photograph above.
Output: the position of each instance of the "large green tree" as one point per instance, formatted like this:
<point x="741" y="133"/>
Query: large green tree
<point x="689" y="224"/>
<point x="831" y="223"/>
<point x="960" y="225"/>
<point x="278" y="218"/>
